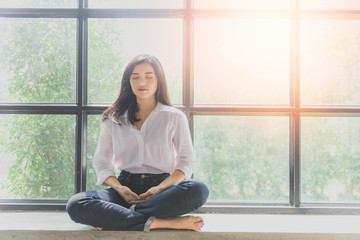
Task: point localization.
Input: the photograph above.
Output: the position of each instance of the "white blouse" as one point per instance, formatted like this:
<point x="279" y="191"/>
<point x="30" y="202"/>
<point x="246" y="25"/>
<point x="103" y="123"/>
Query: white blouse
<point x="162" y="145"/>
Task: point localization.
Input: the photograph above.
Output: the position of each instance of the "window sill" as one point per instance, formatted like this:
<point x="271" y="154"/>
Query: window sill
<point x="32" y="224"/>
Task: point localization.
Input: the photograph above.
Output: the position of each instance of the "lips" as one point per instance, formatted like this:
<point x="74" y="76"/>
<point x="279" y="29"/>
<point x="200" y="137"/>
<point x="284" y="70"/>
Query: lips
<point x="142" y="89"/>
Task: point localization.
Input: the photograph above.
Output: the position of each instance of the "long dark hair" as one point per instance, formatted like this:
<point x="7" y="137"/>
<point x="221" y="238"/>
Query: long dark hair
<point x="126" y="102"/>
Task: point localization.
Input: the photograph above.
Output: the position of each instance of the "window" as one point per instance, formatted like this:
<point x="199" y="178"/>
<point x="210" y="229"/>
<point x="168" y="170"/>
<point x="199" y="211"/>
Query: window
<point x="271" y="89"/>
<point x="243" y="158"/>
<point x="117" y="41"/>
<point x="37" y="156"/>
<point x="38" y="60"/>
<point x="330" y="159"/>
<point x="330" y="4"/>
<point x="241" y="4"/>
<point x="136" y="4"/>
<point x="38" y="4"/>
<point x="241" y="62"/>
<point x="330" y="62"/>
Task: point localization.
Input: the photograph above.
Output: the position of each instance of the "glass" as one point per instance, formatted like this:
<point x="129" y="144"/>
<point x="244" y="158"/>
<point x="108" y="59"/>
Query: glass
<point x="38" y="60"/>
<point x="242" y="4"/>
<point x="330" y="159"/>
<point x="330" y="4"/>
<point x="243" y="158"/>
<point x="114" y="42"/>
<point x="330" y="73"/>
<point x="37" y="156"/>
<point x="136" y="4"/>
<point x="38" y="4"/>
<point x="235" y="61"/>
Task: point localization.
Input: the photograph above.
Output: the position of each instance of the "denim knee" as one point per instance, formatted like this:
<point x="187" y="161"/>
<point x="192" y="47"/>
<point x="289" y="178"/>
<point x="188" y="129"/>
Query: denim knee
<point x="198" y="189"/>
<point x="73" y="207"/>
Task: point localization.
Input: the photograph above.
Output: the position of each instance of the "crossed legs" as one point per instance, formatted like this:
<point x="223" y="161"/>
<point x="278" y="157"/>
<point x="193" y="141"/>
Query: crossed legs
<point x="105" y="209"/>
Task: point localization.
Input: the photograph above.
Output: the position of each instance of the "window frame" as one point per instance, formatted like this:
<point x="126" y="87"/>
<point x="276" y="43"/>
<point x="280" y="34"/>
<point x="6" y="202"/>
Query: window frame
<point x="294" y="110"/>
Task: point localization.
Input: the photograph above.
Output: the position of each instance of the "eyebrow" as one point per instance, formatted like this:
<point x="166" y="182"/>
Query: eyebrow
<point x="145" y="73"/>
<point x="149" y="73"/>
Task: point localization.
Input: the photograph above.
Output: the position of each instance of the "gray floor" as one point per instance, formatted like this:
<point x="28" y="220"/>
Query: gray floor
<point x="57" y="225"/>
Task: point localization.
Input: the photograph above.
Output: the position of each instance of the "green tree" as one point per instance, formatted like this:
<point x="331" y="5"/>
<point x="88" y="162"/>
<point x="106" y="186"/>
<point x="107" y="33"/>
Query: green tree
<point x="243" y="158"/>
<point x="41" y="56"/>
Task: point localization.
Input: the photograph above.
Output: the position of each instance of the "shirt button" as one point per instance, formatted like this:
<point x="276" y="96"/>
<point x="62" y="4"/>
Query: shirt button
<point x="143" y="176"/>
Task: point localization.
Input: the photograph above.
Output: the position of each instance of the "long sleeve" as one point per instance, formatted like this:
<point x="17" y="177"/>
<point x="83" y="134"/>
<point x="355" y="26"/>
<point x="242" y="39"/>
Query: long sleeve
<point x="185" y="159"/>
<point x="103" y="156"/>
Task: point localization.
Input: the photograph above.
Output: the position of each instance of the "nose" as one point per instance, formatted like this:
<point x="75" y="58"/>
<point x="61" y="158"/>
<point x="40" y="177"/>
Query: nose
<point x="142" y="81"/>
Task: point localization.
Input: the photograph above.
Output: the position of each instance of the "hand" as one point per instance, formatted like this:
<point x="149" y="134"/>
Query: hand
<point x="128" y="195"/>
<point x="152" y="192"/>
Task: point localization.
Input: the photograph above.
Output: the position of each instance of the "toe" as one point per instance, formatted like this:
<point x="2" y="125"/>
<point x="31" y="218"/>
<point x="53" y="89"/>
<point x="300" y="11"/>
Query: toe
<point x="199" y="219"/>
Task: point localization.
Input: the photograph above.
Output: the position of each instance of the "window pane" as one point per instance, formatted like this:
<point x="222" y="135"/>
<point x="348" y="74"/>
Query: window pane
<point x="243" y="159"/>
<point x="37" y="156"/>
<point x="38" y="60"/>
<point x="242" y="4"/>
<point x="136" y="4"/>
<point x="38" y="4"/>
<point x="114" y="42"/>
<point x="330" y="69"/>
<point x="330" y="4"/>
<point x="235" y="63"/>
<point x="330" y="159"/>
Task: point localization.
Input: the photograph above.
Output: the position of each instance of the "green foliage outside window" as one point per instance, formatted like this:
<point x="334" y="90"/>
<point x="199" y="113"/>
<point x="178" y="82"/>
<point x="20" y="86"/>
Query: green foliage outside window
<point x="243" y="159"/>
<point x="40" y="54"/>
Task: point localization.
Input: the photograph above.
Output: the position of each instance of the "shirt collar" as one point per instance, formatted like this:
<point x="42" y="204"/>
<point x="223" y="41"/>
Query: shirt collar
<point x="159" y="107"/>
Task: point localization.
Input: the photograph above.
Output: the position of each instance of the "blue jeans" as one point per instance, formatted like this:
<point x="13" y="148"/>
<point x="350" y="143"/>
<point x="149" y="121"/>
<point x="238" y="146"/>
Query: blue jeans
<point x="108" y="210"/>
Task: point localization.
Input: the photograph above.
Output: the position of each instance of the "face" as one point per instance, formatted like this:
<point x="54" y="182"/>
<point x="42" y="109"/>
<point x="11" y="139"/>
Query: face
<point x="143" y="81"/>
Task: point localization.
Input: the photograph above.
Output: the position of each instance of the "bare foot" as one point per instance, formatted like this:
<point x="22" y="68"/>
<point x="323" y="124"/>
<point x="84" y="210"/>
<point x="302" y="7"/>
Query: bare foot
<point x="185" y="222"/>
<point x="97" y="228"/>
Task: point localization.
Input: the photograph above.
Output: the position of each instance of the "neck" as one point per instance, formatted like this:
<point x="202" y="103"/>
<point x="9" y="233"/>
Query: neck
<point x="146" y="105"/>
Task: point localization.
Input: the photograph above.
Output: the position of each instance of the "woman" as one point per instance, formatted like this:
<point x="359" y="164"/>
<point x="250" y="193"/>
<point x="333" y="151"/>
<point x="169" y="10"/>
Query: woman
<point x="150" y="142"/>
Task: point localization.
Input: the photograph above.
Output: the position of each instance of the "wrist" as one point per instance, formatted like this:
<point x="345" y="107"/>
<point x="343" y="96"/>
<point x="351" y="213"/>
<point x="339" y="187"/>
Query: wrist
<point x="161" y="188"/>
<point x="118" y="188"/>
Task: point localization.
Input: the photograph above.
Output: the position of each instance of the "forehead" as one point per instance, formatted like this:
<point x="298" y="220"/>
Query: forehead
<point x="143" y="68"/>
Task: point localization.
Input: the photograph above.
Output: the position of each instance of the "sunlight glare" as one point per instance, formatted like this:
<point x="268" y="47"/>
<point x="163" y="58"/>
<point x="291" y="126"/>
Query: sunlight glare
<point x="245" y="62"/>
